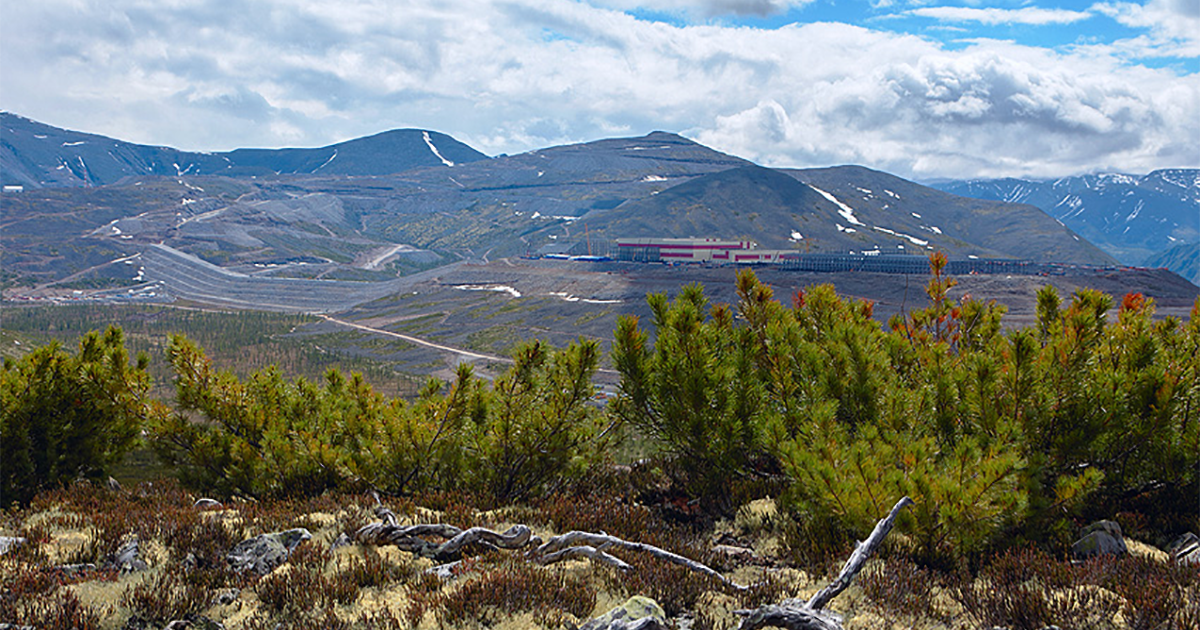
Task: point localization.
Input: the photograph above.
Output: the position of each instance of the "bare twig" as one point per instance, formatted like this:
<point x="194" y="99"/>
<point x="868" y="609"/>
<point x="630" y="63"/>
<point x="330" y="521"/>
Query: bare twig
<point x="796" y="614"/>
<point x="604" y="541"/>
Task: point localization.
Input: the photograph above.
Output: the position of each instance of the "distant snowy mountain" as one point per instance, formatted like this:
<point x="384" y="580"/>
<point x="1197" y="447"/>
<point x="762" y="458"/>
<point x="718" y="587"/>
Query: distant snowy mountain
<point x="1132" y="217"/>
<point x="36" y="155"/>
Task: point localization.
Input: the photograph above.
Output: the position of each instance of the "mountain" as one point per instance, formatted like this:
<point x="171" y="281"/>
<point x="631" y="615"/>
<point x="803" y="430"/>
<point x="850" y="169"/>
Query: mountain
<point x="36" y="155"/>
<point x="951" y="222"/>
<point x="1182" y="259"/>
<point x="1131" y="217"/>
<point x="347" y="212"/>
<point x="846" y="208"/>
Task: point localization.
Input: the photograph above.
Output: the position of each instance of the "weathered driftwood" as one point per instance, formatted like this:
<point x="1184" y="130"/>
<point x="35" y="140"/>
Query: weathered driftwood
<point x="790" y="613"/>
<point x="601" y="542"/>
<point x="409" y="537"/>
<point x="583" y="551"/>
<point x="795" y="614"/>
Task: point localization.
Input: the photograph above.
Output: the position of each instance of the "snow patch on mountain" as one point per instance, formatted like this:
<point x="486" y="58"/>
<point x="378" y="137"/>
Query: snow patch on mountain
<point x="846" y="211"/>
<point x="429" y="141"/>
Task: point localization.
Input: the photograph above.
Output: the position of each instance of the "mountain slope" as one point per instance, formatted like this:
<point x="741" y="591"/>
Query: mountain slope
<point x="951" y="221"/>
<point x="36" y="155"/>
<point x="1182" y="259"/>
<point x="304" y="215"/>
<point x="1131" y="217"/>
<point x="843" y="209"/>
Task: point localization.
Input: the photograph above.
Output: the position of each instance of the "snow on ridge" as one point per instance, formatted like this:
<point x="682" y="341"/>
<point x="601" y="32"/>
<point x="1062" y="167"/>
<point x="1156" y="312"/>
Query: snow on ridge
<point x="915" y="240"/>
<point x="846" y="211"/>
<point x="796" y="236"/>
<point x="567" y="297"/>
<point x="429" y="141"/>
<point x="74" y="144"/>
<point x="1136" y="211"/>
<point x="842" y="228"/>
<point x="335" y="152"/>
<point x="498" y="288"/>
<point x="654" y="178"/>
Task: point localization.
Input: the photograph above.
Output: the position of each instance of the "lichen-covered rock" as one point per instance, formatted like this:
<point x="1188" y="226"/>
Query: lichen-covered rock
<point x="637" y="613"/>
<point x="264" y="552"/>
<point x="1185" y="549"/>
<point x="1100" y="538"/>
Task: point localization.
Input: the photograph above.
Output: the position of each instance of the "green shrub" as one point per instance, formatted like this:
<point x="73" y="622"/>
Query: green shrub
<point x="65" y="416"/>
<point x="533" y="430"/>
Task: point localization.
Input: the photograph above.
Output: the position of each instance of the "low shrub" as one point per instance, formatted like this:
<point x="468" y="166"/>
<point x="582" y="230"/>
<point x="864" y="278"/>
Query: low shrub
<point x="512" y="586"/>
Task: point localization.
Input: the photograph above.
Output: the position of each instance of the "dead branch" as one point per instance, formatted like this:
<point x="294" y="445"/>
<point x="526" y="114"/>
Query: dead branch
<point x="790" y="613"/>
<point x="603" y="541"/>
<point x="795" y="614"/>
<point x="586" y="551"/>
<point x="408" y="537"/>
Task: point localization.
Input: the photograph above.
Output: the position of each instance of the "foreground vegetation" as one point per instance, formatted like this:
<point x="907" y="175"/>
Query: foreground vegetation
<point x="1008" y="442"/>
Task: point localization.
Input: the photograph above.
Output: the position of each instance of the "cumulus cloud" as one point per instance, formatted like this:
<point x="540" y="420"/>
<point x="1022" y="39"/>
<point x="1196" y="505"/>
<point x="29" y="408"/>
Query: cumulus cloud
<point x="991" y="15"/>
<point x="512" y="75"/>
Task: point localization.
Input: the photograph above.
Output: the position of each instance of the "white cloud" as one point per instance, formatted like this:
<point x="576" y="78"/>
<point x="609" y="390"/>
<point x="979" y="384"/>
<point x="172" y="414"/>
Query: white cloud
<point x="513" y="75"/>
<point x="707" y="8"/>
<point x="1173" y="25"/>
<point x="1026" y="15"/>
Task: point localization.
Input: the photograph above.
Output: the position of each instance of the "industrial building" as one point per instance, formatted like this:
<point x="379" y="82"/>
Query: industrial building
<point x="694" y="250"/>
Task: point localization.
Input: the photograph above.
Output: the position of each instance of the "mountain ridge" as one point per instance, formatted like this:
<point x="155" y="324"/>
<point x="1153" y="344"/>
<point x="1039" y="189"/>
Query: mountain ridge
<point x="324" y="212"/>
<point x="1132" y="217"/>
<point x="36" y="155"/>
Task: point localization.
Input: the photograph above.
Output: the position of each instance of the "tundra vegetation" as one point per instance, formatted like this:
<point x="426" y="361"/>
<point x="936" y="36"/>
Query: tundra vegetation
<point x="786" y="430"/>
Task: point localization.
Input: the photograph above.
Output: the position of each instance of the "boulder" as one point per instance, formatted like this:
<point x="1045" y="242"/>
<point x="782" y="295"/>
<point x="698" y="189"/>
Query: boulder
<point x="126" y="559"/>
<point x="264" y="552"/>
<point x="1100" y="538"/>
<point x="637" y="613"/>
<point x="1185" y="549"/>
<point x="10" y="542"/>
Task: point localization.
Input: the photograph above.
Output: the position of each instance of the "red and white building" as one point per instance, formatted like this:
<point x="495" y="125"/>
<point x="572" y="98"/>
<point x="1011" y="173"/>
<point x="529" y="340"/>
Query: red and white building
<point x="694" y="250"/>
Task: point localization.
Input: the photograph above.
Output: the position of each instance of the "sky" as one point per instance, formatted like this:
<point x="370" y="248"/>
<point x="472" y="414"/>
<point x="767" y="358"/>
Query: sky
<point x="924" y="90"/>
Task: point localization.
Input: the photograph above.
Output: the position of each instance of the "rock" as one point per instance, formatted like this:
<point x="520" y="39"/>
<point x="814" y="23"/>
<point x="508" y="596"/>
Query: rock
<point x="205" y="504"/>
<point x="70" y="571"/>
<point x="8" y="543"/>
<point x="194" y="622"/>
<point x="264" y="552"/>
<point x="732" y="557"/>
<point x="637" y="613"/>
<point x="1185" y="549"/>
<point x="126" y="559"/>
<point x="1100" y="538"/>
<point x="227" y="596"/>
<point x="113" y="484"/>
<point x="444" y="572"/>
<point x="343" y="540"/>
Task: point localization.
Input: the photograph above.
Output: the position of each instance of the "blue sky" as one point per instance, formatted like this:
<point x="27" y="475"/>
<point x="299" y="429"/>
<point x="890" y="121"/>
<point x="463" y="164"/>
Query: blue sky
<point x="925" y="90"/>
